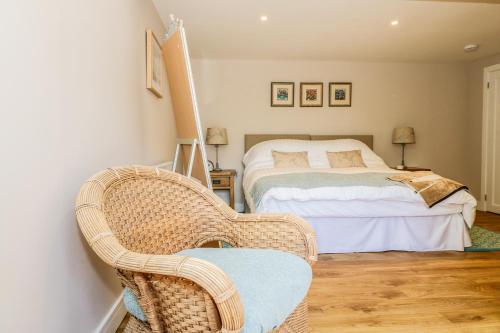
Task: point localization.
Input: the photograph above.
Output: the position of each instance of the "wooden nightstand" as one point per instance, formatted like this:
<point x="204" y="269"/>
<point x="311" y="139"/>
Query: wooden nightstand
<point x="412" y="169"/>
<point x="224" y="180"/>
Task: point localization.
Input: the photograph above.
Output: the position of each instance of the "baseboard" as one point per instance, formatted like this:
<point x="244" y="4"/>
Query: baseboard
<point x="113" y="318"/>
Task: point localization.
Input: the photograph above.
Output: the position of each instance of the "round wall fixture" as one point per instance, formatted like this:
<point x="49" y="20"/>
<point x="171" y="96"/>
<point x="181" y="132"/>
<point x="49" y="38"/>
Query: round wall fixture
<point x="471" y="47"/>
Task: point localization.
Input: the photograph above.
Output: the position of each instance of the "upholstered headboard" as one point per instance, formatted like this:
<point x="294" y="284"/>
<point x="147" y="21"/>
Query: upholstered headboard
<point x="253" y="139"/>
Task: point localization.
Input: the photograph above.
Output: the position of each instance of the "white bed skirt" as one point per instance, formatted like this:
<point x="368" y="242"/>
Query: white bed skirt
<point x="376" y="234"/>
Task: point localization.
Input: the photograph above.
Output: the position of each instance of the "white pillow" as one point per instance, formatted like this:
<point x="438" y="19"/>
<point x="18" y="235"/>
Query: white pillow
<point x="260" y="155"/>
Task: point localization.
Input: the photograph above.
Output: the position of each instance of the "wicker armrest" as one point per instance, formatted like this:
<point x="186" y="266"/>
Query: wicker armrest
<point x="285" y="232"/>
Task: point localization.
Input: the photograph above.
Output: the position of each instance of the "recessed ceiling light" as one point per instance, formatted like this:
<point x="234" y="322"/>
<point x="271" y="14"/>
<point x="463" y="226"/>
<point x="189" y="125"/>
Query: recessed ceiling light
<point x="471" y="47"/>
<point x="394" y="22"/>
<point x="263" y="17"/>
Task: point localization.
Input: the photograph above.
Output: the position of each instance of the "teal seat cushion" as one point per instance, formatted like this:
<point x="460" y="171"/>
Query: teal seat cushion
<point x="132" y="305"/>
<point x="271" y="283"/>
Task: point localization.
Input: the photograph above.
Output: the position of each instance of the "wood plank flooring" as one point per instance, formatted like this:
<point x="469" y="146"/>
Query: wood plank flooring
<point x="406" y="292"/>
<point x="489" y="221"/>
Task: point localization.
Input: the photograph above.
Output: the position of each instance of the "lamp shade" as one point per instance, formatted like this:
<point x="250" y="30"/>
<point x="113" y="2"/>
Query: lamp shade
<point x="403" y="135"/>
<point x="216" y="136"/>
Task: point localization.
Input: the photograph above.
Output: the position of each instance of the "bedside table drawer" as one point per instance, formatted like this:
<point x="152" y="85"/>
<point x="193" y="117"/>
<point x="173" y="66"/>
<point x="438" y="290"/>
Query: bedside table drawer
<point x="220" y="182"/>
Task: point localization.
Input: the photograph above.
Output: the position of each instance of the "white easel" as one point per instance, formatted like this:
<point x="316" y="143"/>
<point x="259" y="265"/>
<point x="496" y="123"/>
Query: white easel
<point x="189" y="131"/>
<point x="185" y="103"/>
<point x="181" y="142"/>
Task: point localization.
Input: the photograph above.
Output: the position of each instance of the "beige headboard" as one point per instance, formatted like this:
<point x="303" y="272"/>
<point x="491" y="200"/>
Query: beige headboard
<point x="253" y="139"/>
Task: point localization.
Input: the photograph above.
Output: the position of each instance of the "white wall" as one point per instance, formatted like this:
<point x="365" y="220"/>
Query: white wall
<point x="429" y="97"/>
<point x="73" y="101"/>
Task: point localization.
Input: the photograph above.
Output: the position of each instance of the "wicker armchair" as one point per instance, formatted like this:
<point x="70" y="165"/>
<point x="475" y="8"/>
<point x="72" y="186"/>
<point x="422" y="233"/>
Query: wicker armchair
<point x="135" y="218"/>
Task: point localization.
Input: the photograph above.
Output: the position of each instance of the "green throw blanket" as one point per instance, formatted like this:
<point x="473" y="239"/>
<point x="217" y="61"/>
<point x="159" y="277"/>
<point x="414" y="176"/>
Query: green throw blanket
<point x="310" y="180"/>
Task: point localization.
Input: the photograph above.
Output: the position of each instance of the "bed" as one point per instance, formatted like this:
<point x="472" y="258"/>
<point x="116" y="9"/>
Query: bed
<point x="351" y="209"/>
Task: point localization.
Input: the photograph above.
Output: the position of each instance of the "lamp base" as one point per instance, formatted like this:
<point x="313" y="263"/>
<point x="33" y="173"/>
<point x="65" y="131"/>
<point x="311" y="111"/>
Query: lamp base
<point x="217" y="166"/>
<point x="400" y="167"/>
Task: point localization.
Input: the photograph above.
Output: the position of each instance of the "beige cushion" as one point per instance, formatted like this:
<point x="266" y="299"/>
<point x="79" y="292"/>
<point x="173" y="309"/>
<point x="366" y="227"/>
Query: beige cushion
<point x="290" y="160"/>
<point x="346" y="159"/>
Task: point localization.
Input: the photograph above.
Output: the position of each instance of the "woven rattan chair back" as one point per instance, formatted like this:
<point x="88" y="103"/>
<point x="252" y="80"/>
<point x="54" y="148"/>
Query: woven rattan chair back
<point x="164" y="215"/>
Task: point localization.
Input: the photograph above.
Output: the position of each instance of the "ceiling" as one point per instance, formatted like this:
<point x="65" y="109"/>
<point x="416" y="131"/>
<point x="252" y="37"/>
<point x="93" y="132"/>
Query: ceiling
<point x="359" y="30"/>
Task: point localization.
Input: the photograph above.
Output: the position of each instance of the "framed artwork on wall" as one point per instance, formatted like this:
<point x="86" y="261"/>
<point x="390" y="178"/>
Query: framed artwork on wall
<point x="311" y="94"/>
<point x="154" y="64"/>
<point x="340" y="94"/>
<point x="282" y="94"/>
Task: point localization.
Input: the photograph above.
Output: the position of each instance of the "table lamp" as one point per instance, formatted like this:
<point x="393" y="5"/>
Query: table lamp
<point x="216" y="136"/>
<point x="403" y="136"/>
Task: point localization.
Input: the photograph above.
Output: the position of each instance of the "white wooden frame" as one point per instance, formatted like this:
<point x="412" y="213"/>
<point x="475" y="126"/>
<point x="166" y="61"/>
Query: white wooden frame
<point x="150" y="41"/>
<point x="192" y="143"/>
<point x="484" y="146"/>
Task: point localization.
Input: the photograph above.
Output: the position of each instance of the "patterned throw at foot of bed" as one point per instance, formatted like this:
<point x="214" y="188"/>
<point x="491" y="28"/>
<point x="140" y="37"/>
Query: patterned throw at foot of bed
<point x="431" y="187"/>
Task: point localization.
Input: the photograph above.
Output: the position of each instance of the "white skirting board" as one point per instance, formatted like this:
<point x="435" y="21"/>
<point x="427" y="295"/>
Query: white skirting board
<point x="113" y="318"/>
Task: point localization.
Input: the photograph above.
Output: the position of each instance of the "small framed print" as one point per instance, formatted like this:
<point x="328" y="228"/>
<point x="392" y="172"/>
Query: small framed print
<point x="282" y="94"/>
<point x="311" y="94"/>
<point x="340" y="94"/>
<point x="154" y="64"/>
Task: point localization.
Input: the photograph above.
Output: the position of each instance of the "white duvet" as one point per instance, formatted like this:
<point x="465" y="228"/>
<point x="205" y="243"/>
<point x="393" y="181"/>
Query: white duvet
<point x="352" y="201"/>
<point x="345" y="201"/>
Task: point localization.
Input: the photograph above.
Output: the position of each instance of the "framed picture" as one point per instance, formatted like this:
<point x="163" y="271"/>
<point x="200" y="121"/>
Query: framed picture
<point x="282" y="94"/>
<point x="154" y="64"/>
<point x="340" y="94"/>
<point x="311" y="94"/>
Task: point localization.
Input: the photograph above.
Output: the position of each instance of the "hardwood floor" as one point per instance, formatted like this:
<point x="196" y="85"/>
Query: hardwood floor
<point x="488" y="220"/>
<point x="406" y="292"/>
